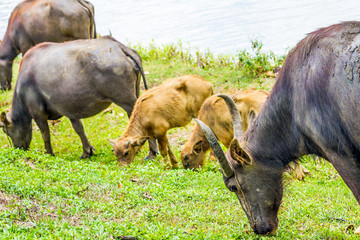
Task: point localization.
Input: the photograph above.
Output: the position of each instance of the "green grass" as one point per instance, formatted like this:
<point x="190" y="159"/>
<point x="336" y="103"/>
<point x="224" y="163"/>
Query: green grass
<point x="64" y="197"/>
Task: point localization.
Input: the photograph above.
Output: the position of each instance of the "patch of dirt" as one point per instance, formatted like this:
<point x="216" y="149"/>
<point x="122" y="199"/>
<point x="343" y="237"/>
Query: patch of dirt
<point x="178" y="136"/>
<point x="5" y="200"/>
<point x="30" y="163"/>
<point x="30" y="214"/>
<point x="5" y="103"/>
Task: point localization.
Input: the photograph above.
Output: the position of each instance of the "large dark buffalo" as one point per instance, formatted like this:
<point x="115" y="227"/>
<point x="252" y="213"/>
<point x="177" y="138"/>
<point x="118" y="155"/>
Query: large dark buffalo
<point x="36" y="21"/>
<point x="77" y="79"/>
<point x="313" y="108"/>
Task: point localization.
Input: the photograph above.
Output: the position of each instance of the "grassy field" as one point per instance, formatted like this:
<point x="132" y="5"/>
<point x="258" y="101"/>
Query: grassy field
<point x="64" y="197"/>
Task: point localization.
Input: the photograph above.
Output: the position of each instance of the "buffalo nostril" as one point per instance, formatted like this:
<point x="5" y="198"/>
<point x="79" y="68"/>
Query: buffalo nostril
<point x="187" y="165"/>
<point x="233" y="189"/>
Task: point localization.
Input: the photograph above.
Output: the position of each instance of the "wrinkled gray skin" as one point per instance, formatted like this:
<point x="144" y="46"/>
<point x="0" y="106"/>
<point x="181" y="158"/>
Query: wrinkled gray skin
<point x="313" y="108"/>
<point x="76" y="79"/>
<point x="36" y="21"/>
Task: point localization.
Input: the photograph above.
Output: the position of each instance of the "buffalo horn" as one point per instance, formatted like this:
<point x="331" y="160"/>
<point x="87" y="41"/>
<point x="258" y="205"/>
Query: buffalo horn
<point x="235" y="115"/>
<point x="215" y="146"/>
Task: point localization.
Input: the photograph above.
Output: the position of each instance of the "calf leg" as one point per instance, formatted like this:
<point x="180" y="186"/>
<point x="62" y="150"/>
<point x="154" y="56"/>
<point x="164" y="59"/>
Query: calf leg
<point x="45" y="133"/>
<point x="172" y="157"/>
<point x="79" y="129"/>
<point x="164" y="150"/>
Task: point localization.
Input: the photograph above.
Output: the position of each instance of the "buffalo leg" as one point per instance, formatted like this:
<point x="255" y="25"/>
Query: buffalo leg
<point x="349" y="170"/>
<point x="79" y="129"/>
<point x="153" y="149"/>
<point x="127" y="104"/>
<point x="45" y="133"/>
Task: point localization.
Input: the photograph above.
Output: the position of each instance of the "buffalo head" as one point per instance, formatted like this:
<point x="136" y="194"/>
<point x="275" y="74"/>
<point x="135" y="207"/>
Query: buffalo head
<point x="20" y="133"/>
<point x="258" y="191"/>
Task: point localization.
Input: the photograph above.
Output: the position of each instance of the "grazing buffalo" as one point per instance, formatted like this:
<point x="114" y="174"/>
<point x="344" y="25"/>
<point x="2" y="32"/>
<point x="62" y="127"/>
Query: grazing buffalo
<point x="172" y="104"/>
<point x="313" y="108"/>
<point x="36" y="21"/>
<point x="77" y="79"/>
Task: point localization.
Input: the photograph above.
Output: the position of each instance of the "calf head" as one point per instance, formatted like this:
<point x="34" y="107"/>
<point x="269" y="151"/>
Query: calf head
<point x="20" y="133"/>
<point x="125" y="148"/>
<point x="5" y="74"/>
<point x="258" y="187"/>
<point x="193" y="153"/>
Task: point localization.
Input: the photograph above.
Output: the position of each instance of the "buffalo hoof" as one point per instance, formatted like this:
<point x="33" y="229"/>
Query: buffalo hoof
<point x="87" y="154"/>
<point x="151" y="156"/>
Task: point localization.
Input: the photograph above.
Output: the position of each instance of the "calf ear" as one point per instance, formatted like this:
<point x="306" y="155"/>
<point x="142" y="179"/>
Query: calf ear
<point x="198" y="147"/>
<point x="112" y="142"/>
<point x="4" y="119"/>
<point x="140" y="141"/>
<point x="238" y="154"/>
<point x="252" y="116"/>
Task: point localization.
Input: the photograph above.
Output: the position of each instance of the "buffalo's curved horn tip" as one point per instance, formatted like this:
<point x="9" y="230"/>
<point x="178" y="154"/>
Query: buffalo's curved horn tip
<point x="215" y="146"/>
<point x="235" y="115"/>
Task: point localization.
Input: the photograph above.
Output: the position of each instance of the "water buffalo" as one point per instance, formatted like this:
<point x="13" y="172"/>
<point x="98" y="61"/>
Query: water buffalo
<point x="313" y="108"/>
<point x="77" y="79"/>
<point x="172" y="104"/>
<point x="36" y="21"/>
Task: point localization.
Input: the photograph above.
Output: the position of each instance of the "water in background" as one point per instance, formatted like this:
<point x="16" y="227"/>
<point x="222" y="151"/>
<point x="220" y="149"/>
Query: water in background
<point x="221" y="26"/>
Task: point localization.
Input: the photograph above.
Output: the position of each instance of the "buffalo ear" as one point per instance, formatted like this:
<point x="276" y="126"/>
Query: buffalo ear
<point x="238" y="154"/>
<point x="4" y="119"/>
<point x="198" y="147"/>
<point x="140" y="141"/>
<point x="252" y="116"/>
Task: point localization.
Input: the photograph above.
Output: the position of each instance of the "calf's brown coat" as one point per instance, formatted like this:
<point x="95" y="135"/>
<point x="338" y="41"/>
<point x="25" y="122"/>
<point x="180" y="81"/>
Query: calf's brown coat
<point x="172" y="104"/>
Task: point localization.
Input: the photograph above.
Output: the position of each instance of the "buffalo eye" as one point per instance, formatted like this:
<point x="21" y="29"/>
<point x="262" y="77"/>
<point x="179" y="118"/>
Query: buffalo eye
<point x="233" y="188"/>
<point x="126" y="153"/>
<point x="186" y="157"/>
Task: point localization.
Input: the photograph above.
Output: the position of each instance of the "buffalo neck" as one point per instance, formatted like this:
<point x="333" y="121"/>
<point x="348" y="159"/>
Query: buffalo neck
<point x="273" y="138"/>
<point x="19" y="112"/>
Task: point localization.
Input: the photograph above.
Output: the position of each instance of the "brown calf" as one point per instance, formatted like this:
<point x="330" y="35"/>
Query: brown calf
<point x="172" y="104"/>
<point x="248" y="102"/>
